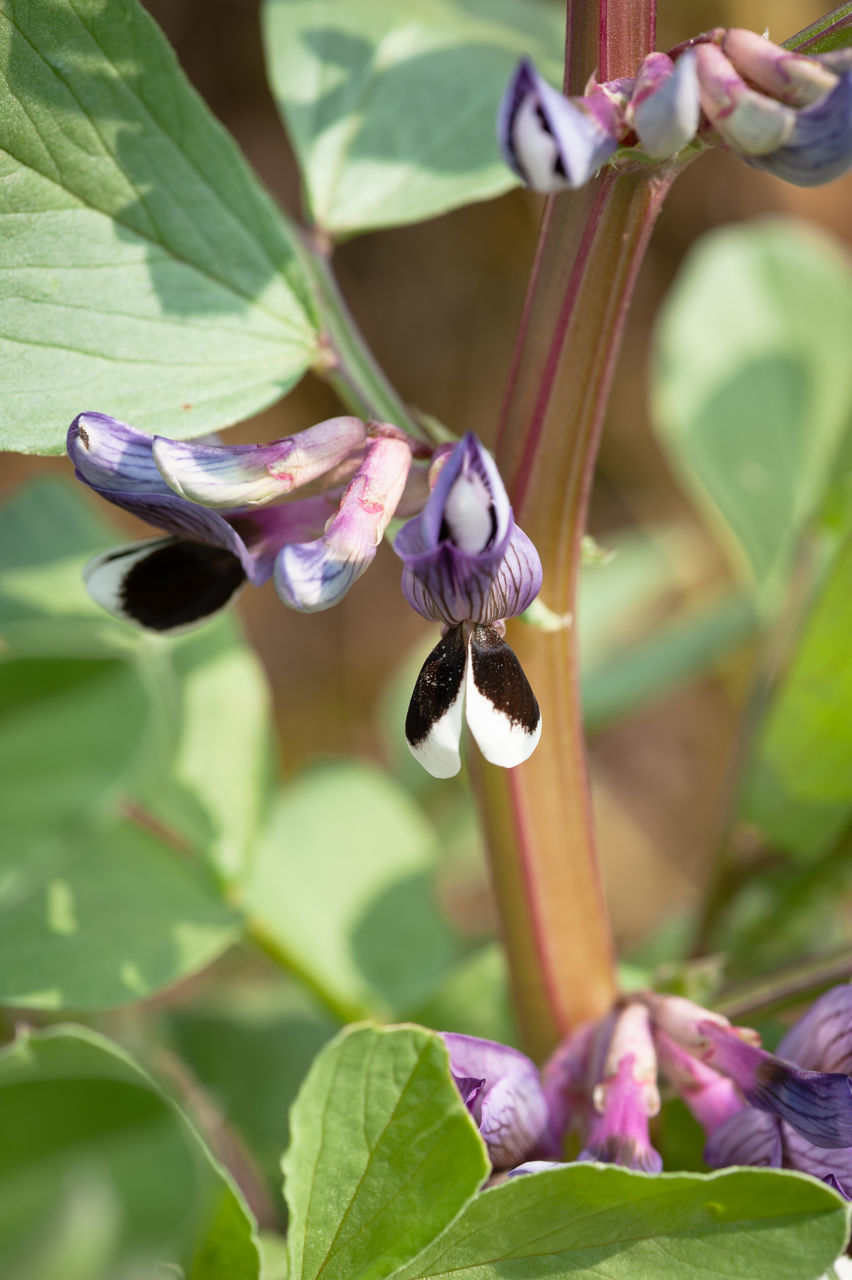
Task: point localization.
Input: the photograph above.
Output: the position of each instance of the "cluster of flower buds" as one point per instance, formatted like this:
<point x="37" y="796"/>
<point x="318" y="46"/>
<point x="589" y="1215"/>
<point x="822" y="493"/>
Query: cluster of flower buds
<point x="781" y="111"/>
<point x="792" y="1110"/>
<point x="229" y="518"/>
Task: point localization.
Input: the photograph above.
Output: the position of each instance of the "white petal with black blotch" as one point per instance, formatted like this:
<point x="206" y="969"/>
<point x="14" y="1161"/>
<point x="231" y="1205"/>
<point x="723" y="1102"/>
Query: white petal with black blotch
<point x="502" y="712"/>
<point x="434" y="720"/>
<point x="166" y="585"/>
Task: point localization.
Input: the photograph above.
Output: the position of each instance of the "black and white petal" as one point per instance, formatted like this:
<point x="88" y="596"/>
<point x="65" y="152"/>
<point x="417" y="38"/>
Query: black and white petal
<point x="167" y="585"/>
<point x="502" y="712"/>
<point x="434" y="720"/>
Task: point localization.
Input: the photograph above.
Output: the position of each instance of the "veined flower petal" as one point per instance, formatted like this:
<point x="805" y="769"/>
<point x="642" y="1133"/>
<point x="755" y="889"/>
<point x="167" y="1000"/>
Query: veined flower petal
<point x="242" y="475"/>
<point x="113" y="457"/>
<point x="750" y="1137"/>
<point x="502" y="712"/>
<point x="465" y="558"/>
<point x="434" y="721"/>
<point x="167" y="585"/>
<point x="833" y="1166"/>
<point x="819" y="149"/>
<point x="551" y="142"/>
<point x="821" y="1040"/>
<point x="510" y="1108"/>
<point x="665" y="109"/>
<point x="818" y="1104"/>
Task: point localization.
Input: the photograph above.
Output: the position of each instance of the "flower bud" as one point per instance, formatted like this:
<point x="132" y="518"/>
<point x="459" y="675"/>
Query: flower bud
<point x="311" y="576"/>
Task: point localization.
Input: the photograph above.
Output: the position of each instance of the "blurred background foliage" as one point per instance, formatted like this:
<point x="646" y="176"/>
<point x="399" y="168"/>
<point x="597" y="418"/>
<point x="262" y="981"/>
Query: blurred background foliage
<point x="715" y="670"/>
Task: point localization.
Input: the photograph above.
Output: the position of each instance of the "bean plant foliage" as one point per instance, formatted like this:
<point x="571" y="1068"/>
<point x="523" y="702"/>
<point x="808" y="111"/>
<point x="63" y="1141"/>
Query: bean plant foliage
<point x="147" y="274"/>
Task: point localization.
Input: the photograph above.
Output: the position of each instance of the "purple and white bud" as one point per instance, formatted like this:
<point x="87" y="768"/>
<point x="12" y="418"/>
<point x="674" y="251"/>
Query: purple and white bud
<point x="465" y="559"/>
<point x="500" y="1087"/>
<point x="626" y="1097"/>
<point x="311" y="576"/>
<point x="247" y="474"/>
<point x="790" y="77"/>
<point x="749" y="121"/>
<point x="664" y="108"/>
<point x="552" y="142"/>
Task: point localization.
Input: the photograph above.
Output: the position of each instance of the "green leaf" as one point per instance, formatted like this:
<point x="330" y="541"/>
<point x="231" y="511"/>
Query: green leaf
<point x="48" y="530"/>
<point x="796" y="789"/>
<point x="675" y="653"/>
<point x="596" y="1220"/>
<point x="384" y="1155"/>
<point x="392" y="110"/>
<point x="69" y="736"/>
<point x="97" y="917"/>
<point x="251" y="1050"/>
<point x="342" y="889"/>
<point x="752" y="384"/>
<point x="210" y="754"/>
<point x="144" y="270"/>
<point x="200" y="738"/>
<point x="74" y="1107"/>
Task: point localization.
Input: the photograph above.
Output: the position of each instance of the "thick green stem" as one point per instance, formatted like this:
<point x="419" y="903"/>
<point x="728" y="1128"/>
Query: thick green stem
<point x="538" y="817"/>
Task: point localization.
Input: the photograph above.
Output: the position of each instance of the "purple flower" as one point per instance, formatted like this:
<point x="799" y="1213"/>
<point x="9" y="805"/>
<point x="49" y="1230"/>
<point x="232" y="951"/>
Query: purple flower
<point x="315" y="575"/>
<point x="468" y="565"/>
<point x="246" y="474"/>
<point x="664" y="108"/>
<point x="821" y="1041"/>
<point x="169" y="584"/>
<point x="551" y="142"/>
<point x="791" y="1110"/>
<point x="500" y="1088"/>
<point x="796" y="123"/>
<point x="626" y="1097"/>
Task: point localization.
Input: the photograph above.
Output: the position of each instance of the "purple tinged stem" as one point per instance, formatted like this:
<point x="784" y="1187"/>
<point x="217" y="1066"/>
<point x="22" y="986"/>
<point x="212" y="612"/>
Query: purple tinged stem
<point x="538" y="817"/>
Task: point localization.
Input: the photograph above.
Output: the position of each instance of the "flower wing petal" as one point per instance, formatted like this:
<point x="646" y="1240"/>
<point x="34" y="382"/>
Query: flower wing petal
<point x="502" y="712"/>
<point x="167" y="585"/>
<point x="434" y="720"/>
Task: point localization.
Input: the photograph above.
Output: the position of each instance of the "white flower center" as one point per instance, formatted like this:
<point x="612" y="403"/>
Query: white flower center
<point x="469" y="513"/>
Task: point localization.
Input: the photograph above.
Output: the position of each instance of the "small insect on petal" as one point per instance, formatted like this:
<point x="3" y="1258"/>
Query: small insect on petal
<point x="167" y="585"/>
<point x="502" y="712"/>
<point x="434" y="720"/>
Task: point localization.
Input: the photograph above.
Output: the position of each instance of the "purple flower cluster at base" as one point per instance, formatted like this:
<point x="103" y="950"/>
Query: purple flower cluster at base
<point x="789" y="1110"/>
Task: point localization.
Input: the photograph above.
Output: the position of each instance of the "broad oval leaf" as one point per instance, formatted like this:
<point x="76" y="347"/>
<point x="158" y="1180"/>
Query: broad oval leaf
<point x="392" y="109"/>
<point x="342" y="889"/>
<point x="383" y="1156"/>
<point x="143" y="270"/>
<point x="77" y="1113"/>
<point x="594" y="1220"/>
<point x="796" y="788"/>
<point x="752" y="384"/>
<point x="102" y="916"/>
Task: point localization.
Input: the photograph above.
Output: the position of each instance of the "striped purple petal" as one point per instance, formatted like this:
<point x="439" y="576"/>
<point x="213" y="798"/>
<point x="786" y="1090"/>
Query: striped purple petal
<point x="821" y="1040"/>
<point x="820" y="146"/>
<point x="751" y="1137"/>
<point x="509" y="1109"/>
<point x="818" y="1104"/>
